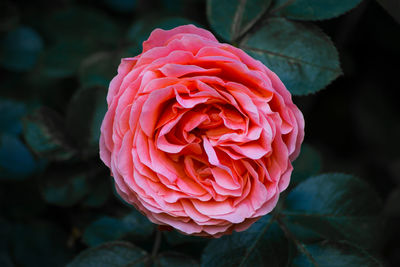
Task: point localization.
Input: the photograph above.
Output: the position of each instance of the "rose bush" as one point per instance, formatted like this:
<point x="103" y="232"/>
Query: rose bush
<point x="198" y="135"/>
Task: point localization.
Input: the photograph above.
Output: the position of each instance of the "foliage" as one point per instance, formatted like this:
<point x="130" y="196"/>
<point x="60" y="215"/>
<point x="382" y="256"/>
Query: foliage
<point x="56" y="196"/>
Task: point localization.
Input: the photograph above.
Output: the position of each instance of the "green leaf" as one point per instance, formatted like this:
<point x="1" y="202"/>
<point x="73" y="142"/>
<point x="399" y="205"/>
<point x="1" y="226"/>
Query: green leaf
<point x="45" y="133"/>
<point x="16" y="161"/>
<point x="263" y="244"/>
<point x="123" y="6"/>
<point x="83" y="25"/>
<point x="175" y="238"/>
<point x="64" y="189"/>
<point x="301" y="55"/>
<point x="11" y="113"/>
<point x="40" y="244"/>
<point x="84" y="117"/>
<point x="112" y="254"/>
<point x="64" y="58"/>
<point x="106" y="229"/>
<point x="20" y="49"/>
<point x="173" y="259"/>
<point x="306" y="165"/>
<point x="392" y="7"/>
<point x="98" y="69"/>
<point x="99" y="193"/>
<point x="103" y="230"/>
<point x="334" y="207"/>
<point x="230" y="19"/>
<point x="334" y="255"/>
<point x="314" y="9"/>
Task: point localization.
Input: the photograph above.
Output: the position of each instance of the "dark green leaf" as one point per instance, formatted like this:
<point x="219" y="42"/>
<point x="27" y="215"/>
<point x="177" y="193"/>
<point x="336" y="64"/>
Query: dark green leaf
<point x="99" y="193"/>
<point x="301" y="55"/>
<point x="16" y="161"/>
<point x="334" y="207"/>
<point x="64" y="58"/>
<point x="107" y="229"/>
<point x="314" y="9"/>
<point x="172" y="259"/>
<point x="45" y="133"/>
<point x="65" y="189"/>
<point x="112" y="254"/>
<point x="175" y="238"/>
<point x="103" y="230"/>
<point x="40" y="244"/>
<point x="83" y="25"/>
<point x="84" y="117"/>
<point x="263" y="244"/>
<point x="20" y="49"/>
<point x="123" y="6"/>
<point x="230" y="19"/>
<point x="393" y="7"/>
<point x="98" y="69"/>
<point x="11" y="113"/>
<point x="306" y="165"/>
<point x="334" y="255"/>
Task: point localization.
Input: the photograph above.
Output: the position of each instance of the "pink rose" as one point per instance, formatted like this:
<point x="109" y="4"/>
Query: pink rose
<point x="198" y="135"/>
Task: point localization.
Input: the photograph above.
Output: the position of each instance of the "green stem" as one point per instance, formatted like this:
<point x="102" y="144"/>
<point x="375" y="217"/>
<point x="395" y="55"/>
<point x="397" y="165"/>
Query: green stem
<point x="157" y="244"/>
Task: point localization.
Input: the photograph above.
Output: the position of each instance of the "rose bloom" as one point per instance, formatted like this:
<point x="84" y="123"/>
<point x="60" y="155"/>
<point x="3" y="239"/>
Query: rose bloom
<point x="198" y="135"/>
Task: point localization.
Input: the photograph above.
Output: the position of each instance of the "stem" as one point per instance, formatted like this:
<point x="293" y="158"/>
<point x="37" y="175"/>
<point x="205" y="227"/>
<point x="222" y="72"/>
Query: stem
<point x="157" y="244"/>
<point x="298" y="244"/>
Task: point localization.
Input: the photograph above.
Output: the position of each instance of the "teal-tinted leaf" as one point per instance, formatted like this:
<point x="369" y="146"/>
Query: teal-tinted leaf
<point x="301" y="55"/>
<point x="334" y="255"/>
<point x="392" y="7"/>
<point x="84" y="117"/>
<point x="173" y="259"/>
<point x="40" y="244"/>
<point x="16" y="161"/>
<point x="106" y="229"/>
<point x="11" y="113"/>
<point x="138" y="226"/>
<point x="123" y="6"/>
<point x="306" y="165"/>
<point x="334" y="207"/>
<point x="103" y="230"/>
<point x="45" y="133"/>
<point x="263" y="244"/>
<point x="175" y="238"/>
<point x="314" y="9"/>
<point x="112" y="254"/>
<point x="230" y="19"/>
<point x="65" y="189"/>
<point x="20" y="49"/>
<point x="64" y="58"/>
<point x="98" y="69"/>
<point x="82" y="25"/>
<point x="99" y="193"/>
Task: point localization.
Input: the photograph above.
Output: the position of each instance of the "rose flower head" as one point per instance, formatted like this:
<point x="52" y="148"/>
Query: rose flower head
<point x="199" y="135"/>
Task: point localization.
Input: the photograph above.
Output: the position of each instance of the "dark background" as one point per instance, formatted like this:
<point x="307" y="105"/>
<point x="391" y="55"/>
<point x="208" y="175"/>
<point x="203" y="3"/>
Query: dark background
<point x="353" y="123"/>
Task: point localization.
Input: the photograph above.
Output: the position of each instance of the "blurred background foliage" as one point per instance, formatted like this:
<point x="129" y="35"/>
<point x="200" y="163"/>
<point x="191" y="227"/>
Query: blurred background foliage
<point x="57" y="198"/>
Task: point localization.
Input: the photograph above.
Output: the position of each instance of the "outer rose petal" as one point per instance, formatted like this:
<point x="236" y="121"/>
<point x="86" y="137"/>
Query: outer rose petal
<point x="160" y="37"/>
<point x="199" y="135"/>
